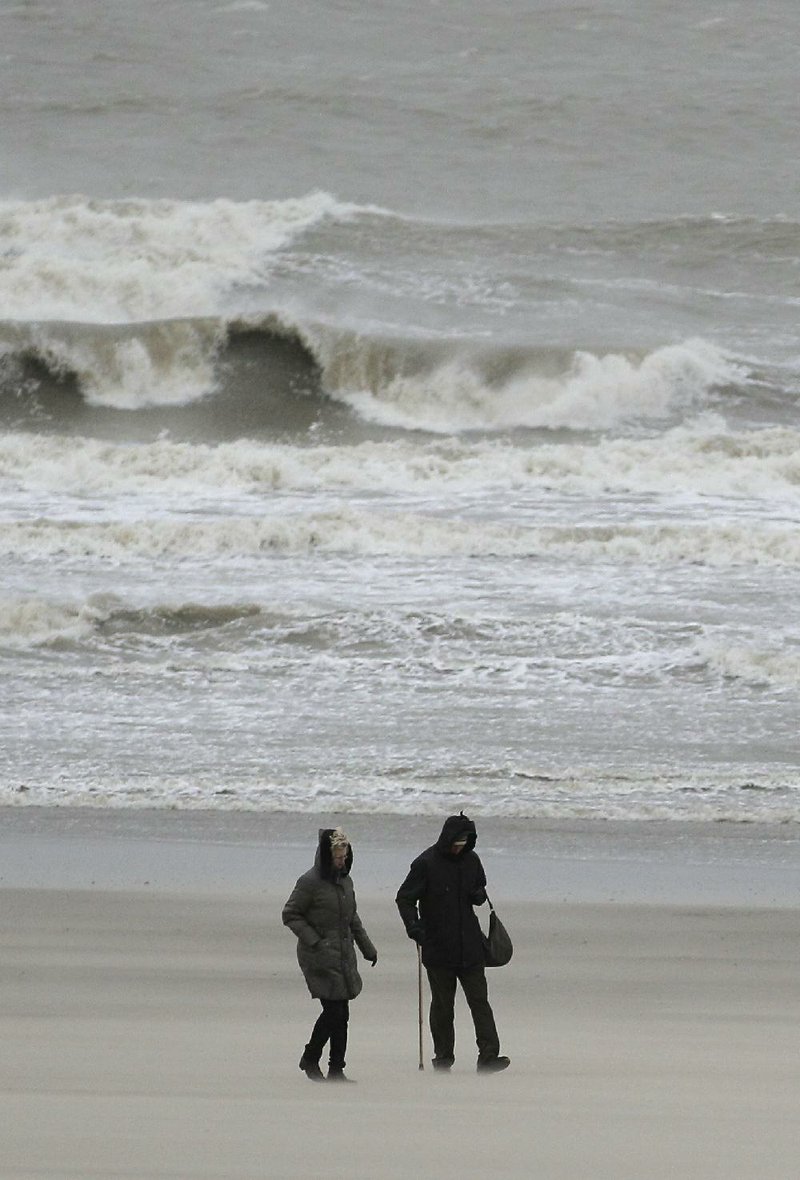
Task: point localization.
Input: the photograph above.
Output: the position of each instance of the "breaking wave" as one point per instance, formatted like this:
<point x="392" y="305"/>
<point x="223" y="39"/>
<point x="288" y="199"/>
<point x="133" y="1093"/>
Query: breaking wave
<point x="136" y="304"/>
<point x="32" y="622"/>
<point x="400" y="386"/>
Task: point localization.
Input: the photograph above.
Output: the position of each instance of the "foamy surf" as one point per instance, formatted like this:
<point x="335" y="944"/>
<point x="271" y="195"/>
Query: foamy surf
<point x="221" y="636"/>
<point x="74" y="259"/>
<point x="700" y="460"/>
<point x="588" y="793"/>
<point x="358" y="532"/>
<point x="38" y="622"/>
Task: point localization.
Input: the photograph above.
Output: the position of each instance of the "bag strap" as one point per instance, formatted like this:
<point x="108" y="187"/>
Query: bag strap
<point x="488" y="898"/>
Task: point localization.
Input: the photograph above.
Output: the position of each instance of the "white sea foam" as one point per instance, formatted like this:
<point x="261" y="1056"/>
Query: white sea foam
<point x="579" y="793"/>
<point x="173" y="361"/>
<point x="771" y="666"/>
<point x="702" y="459"/>
<point x="78" y="260"/>
<point x="160" y="364"/>
<point x="363" y="533"/>
<point x="31" y="621"/>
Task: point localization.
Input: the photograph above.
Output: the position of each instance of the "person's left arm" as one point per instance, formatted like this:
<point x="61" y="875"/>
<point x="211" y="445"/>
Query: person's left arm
<point x="360" y="936"/>
<point x="477" y="894"/>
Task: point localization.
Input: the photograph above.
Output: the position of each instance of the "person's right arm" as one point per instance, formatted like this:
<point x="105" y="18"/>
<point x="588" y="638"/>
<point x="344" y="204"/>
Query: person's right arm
<point x="408" y="896"/>
<point x="295" y="910"/>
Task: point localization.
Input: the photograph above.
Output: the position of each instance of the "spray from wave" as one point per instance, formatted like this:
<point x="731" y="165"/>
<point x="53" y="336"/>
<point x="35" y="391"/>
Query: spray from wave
<point x="76" y="260"/>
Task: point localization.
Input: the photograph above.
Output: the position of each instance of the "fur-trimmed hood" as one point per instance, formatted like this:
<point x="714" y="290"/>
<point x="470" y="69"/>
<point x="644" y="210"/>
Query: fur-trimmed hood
<point x="323" y="860"/>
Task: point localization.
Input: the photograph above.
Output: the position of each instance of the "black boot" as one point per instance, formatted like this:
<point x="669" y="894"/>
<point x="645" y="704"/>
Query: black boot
<point x="493" y="1064"/>
<point x="338" y="1075"/>
<point x="311" y="1069"/>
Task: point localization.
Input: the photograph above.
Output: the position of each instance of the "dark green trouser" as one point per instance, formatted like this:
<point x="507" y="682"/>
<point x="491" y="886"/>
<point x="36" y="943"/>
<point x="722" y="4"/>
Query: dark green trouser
<point x="443" y="998"/>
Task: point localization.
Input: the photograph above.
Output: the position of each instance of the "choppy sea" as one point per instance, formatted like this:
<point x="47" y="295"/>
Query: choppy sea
<point x="400" y="407"/>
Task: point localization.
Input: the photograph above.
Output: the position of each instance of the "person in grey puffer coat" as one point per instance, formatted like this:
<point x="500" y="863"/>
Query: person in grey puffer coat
<point x="322" y="912"/>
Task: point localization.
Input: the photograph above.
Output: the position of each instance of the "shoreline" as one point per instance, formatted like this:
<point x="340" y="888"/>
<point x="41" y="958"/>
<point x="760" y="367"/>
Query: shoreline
<point x="652" y="861"/>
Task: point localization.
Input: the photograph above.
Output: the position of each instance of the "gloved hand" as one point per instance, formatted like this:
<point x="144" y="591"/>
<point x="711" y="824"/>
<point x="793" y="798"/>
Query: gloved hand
<point x="372" y="962"/>
<point x="417" y="932"/>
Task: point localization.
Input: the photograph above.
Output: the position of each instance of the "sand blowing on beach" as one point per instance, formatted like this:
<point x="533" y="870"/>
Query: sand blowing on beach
<point x="153" y="1011"/>
<point x="398" y="420"/>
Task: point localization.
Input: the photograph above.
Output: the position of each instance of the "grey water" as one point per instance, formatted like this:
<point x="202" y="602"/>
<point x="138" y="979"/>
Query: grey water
<point x="399" y="407"/>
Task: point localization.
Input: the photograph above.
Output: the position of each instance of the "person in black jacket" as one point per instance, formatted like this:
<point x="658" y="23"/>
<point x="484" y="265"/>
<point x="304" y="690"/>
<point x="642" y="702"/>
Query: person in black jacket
<point x="436" y="903"/>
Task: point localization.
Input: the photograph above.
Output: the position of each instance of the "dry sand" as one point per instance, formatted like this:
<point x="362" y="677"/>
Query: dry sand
<point x="153" y="1030"/>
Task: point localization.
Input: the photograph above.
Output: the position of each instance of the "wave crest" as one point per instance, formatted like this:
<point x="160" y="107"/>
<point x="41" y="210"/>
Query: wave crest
<point x="36" y="622"/>
<point x="434" y="387"/>
<point x="594" y="393"/>
<point x="137" y="302"/>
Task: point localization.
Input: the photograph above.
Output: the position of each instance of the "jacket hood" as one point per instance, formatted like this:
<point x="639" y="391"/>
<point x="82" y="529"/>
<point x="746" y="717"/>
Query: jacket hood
<point x="323" y="860"/>
<point x="455" y="827"/>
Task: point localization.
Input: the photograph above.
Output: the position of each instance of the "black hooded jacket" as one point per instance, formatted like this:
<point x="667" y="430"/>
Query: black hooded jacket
<point x="437" y="897"/>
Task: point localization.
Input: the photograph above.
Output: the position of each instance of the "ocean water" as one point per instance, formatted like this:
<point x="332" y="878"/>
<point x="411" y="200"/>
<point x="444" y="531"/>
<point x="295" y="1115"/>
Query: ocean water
<point x="400" y="407"/>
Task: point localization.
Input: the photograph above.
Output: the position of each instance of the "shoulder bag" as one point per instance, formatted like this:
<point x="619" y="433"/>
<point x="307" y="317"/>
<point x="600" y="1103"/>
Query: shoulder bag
<point x="497" y="945"/>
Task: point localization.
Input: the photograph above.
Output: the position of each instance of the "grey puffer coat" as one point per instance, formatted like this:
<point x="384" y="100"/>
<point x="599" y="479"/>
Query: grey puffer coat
<point x="322" y="912"/>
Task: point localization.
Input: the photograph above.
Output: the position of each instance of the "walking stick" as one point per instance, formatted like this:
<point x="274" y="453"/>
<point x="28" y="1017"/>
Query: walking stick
<point x="419" y="990"/>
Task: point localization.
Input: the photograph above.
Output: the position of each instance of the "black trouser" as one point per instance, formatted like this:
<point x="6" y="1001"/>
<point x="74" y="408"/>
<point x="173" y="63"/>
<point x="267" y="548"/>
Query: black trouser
<point x="331" y="1026"/>
<point x="443" y="998"/>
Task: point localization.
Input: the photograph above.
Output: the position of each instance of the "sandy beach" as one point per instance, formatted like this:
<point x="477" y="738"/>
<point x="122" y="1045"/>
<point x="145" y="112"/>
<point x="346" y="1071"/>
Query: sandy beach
<point x="153" y="1012"/>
